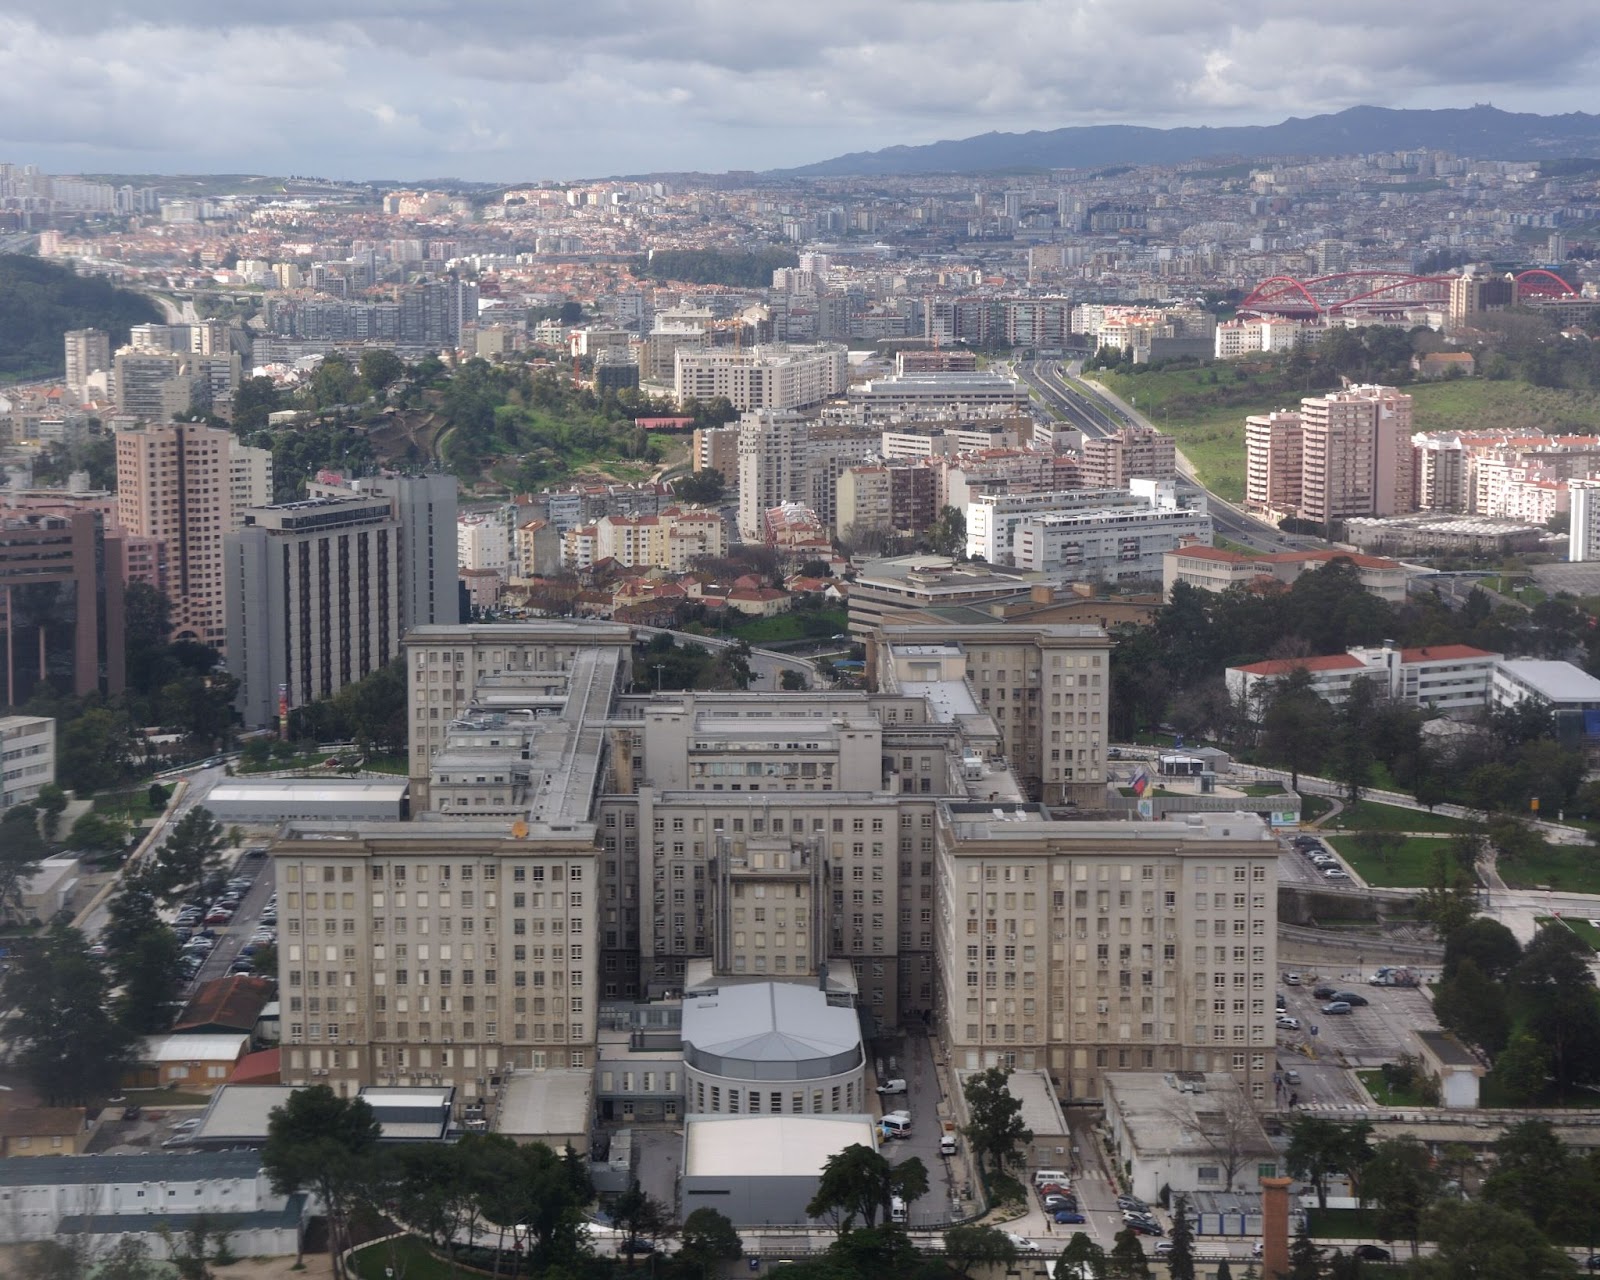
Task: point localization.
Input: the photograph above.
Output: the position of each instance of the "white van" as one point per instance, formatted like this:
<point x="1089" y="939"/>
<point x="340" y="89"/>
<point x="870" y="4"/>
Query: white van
<point x="947" y="1144"/>
<point x="896" y="1126"/>
<point x="897" y="1209"/>
<point x="1042" y="1176"/>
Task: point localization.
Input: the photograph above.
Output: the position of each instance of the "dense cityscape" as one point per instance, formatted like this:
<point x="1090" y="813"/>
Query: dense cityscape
<point x="921" y="724"/>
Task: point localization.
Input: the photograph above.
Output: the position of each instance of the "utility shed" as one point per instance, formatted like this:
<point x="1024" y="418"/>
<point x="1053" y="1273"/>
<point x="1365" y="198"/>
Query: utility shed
<point x="763" y="1170"/>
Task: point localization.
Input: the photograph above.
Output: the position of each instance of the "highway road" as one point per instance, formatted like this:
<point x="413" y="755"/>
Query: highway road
<point x="1097" y="413"/>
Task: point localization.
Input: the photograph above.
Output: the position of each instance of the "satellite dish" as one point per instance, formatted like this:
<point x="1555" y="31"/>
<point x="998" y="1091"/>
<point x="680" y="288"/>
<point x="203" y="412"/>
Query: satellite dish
<point x="519" y="829"/>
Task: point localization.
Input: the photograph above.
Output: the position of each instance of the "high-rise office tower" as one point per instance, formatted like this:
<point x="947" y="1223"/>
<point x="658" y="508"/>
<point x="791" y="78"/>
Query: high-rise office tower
<point x="174" y="483"/>
<point x="425" y="506"/>
<point x="313" y="599"/>
<point x="61" y="613"/>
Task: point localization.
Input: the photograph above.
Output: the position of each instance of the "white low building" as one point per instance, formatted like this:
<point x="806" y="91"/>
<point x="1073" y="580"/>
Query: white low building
<point x="1558" y="685"/>
<point x="1453" y="679"/>
<point x="763" y="1169"/>
<point x="1187" y="1130"/>
<point x="27" y="758"/>
<point x="105" y="1197"/>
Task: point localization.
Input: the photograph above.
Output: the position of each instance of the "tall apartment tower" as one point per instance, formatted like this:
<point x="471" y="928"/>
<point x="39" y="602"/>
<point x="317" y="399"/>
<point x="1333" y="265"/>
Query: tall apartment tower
<point x="1272" y="446"/>
<point x="174" y="482"/>
<point x="156" y="385"/>
<point x="772" y="452"/>
<point x="1357" y="458"/>
<point x="1583" y="535"/>
<point x="88" y="351"/>
<point x="249" y="480"/>
<point x="313" y="600"/>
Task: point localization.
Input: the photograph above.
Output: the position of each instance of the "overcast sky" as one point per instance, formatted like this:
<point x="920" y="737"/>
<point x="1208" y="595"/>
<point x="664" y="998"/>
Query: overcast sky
<point x="507" y="90"/>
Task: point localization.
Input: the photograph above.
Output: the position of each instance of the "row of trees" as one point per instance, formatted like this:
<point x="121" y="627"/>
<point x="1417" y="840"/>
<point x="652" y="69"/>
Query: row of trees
<point x="1538" y="1190"/>
<point x="77" y="1015"/>
<point x="1534" y="1011"/>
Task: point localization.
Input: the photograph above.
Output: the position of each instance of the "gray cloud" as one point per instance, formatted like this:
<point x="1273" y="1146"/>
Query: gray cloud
<point x="504" y="89"/>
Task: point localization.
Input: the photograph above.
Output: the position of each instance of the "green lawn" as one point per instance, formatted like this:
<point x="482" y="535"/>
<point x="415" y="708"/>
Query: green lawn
<point x="1384" y="1096"/>
<point x="1490" y="1095"/>
<point x="1411" y="866"/>
<point x="1582" y="928"/>
<point x="1368" y="815"/>
<point x="1313" y="807"/>
<point x="399" y="764"/>
<point x="133" y="804"/>
<point x="795" y="625"/>
<point x="1574" y="868"/>
<point x="1208" y="417"/>
<point x="408" y="1258"/>
<point x="1264" y="789"/>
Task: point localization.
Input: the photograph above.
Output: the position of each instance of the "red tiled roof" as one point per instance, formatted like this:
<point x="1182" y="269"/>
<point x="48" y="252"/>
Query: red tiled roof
<point x="233" y="1004"/>
<point x="264" y="1067"/>
<point x="1443" y="653"/>
<point x="1283" y="666"/>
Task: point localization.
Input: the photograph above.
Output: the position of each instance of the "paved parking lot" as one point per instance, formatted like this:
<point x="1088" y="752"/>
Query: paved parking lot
<point x="232" y="936"/>
<point x="1326" y="1045"/>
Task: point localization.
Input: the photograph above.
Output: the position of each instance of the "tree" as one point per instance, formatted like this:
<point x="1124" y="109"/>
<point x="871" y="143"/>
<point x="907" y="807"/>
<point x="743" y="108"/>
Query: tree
<point x="707" y="1238"/>
<point x="254" y="401"/>
<point x="50" y="803"/>
<point x="1487" y="1242"/>
<point x="21" y="848"/>
<point x="995" y="1129"/>
<point x="1296" y="723"/>
<point x="1485" y="941"/>
<point x="968" y="1247"/>
<point x="1319" y="1148"/>
<point x="1401" y="1182"/>
<point x="92" y="750"/>
<point x="1535" y="1176"/>
<point x="1180" y="1262"/>
<point x="1232" y="1134"/>
<point x="1082" y="1259"/>
<point x="189" y="857"/>
<point x="860" y="1182"/>
<point x="320" y="1142"/>
<point x="150" y="975"/>
<point x="98" y="833"/>
<point x="639" y="1215"/>
<point x="704" y="487"/>
<point x="380" y="367"/>
<point x="947" y="536"/>
<point x="547" y="1199"/>
<point x="1523" y="1068"/>
<point x="1557" y="988"/>
<point x="1474" y="1007"/>
<point x="792" y="680"/>
<point x="67" y="1045"/>
<point x="1305" y="1259"/>
<point x="1451" y="900"/>
<point x="1127" y="1261"/>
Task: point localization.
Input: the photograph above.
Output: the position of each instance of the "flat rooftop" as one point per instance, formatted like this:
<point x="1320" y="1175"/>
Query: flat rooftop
<point x="717" y="1146"/>
<point x="317" y="790"/>
<point x="546" y="1103"/>
<point x="1555" y="681"/>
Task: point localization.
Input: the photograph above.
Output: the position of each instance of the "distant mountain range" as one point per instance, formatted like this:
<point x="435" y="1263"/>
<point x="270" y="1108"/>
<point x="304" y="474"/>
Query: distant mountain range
<point x="1481" y="131"/>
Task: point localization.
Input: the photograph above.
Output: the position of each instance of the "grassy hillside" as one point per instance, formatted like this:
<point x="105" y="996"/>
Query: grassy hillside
<point x="40" y="301"/>
<point x="1208" y="417"/>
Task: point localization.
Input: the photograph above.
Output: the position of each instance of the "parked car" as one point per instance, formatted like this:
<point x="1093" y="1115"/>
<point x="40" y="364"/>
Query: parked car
<point x="1323" y="992"/>
<point x="1021" y="1243"/>
<point x="1373" y="1253"/>
<point x="1145" y="1229"/>
<point x="1291" y="979"/>
<point x="1354" y="998"/>
<point x="1163" y="1249"/>
<point x="635" y="1244"/>
<point x="1335" y="1007"/>
<point x="1335" y="873"/>
<point x="1132" y="1202"/>
<point x="1288" y="1023"/>
<point x="219" y="917"/>
<point x="1281" y="1002"/>
<point x="1594" y="1262"/>
<point x="131" y="1113"/>
<point x="892" y="1086"/>
<point x="1052" y="1203"/>
<point x="1069" y="1215"/>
